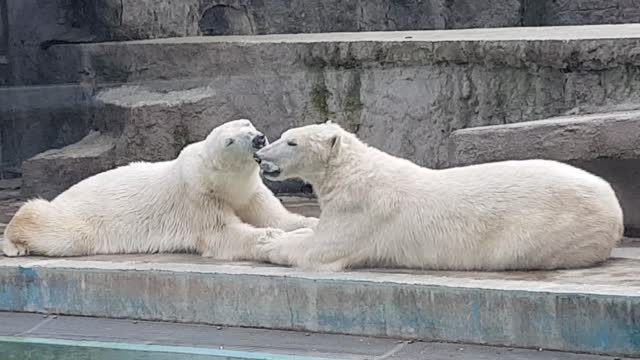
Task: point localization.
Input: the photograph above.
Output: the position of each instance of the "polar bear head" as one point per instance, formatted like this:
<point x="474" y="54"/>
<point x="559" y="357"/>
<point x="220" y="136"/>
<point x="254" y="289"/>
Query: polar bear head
<point x="232" y="144"/>
<point x="303" y="152"/>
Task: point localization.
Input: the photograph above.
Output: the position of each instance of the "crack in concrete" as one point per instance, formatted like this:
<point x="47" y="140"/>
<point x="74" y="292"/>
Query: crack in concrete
<point x="392" y="352"/>
<point x="286" y="291"/>
<point x="36" y="327"/>
<point x="121" y="12"/>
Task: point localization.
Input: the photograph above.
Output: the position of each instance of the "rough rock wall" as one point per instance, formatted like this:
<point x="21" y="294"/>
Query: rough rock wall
<point x="404" y="97"/>
<point x="35" y="25"/>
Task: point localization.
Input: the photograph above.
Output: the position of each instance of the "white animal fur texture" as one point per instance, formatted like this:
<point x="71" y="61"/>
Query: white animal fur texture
<point x="383" y="211"/>
<point x="209" y="200"/>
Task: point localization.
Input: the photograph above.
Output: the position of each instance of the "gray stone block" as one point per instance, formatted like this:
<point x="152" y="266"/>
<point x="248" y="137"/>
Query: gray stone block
<point x="571" y="138"/>
<point x="53" y="171"/>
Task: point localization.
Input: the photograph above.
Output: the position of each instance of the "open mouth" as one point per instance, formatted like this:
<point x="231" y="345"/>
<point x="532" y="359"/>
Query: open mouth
<point x="269" y="169"/>
<point x="272" y="173"/>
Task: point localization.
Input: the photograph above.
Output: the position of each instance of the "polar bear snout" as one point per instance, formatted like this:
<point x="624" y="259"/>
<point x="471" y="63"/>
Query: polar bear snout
<point x="259" y="141"/>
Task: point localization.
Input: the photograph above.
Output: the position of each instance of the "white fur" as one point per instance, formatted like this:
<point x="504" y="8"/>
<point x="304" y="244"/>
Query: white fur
<point x="380" y="210"/>
<point x="209" y="200"/>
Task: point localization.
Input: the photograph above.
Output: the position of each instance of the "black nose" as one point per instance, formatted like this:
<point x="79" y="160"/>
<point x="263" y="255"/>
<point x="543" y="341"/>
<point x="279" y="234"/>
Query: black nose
<point x="257" y="158"/>
<point x="259" y="141"/>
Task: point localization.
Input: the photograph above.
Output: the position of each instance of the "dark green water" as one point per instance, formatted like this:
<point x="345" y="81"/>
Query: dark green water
<point x="21" y="348"/>
<point x="21" y="351"/>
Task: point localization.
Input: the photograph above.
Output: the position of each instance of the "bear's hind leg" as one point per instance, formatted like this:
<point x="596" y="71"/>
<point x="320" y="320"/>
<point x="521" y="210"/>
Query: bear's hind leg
<point x="40" y="228"/>
<point x="12" y="249"/>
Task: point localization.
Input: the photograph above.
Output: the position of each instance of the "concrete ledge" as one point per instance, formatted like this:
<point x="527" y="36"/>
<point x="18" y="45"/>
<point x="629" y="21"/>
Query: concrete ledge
<point x="587" y="48"/>
<point x="590" y="310"/>
<point x="51" y="172"/>
<point x="570" y="138"/>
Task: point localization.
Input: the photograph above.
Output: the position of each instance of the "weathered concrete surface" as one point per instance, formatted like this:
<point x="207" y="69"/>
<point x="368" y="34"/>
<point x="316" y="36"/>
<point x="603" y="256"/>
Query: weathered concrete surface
<point x="592" y="310"/>
<point x="569" y="138"/>
<point x="88" y="21"/>
<point x="53" y="171"/>
<point x="246" y="17"/>
<point x="605" y="144"/>
<point x="250" y="17"/>
<point x="252" y="341"/>
<point x="37" y="118"/>
<point x="104" y="20"/>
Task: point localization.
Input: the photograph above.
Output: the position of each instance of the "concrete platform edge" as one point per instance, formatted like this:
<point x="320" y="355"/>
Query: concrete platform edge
<point x="356" y="303"/>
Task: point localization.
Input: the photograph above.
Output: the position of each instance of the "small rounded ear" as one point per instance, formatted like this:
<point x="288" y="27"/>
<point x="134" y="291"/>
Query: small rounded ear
<point x="328" y="122"/>
<point x="336" y="141"/>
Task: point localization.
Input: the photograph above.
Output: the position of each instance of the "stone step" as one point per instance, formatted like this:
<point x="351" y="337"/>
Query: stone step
<point x="403" y="92"/>
<point x="567" y="138"/>
<point x="116" y="20"/>
<point x="606" y="144"/>
<point x="112" y="20"/>
<point x="589" y="310"/>
<point x="53" y="171"/>
<point x="570" y="48"/>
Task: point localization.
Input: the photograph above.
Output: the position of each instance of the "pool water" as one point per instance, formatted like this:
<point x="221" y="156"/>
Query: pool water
<point x="22" y="348"/>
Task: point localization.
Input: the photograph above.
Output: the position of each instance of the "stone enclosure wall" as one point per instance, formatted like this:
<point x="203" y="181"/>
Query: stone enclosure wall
<point x="78" y="21"/>
<point x="30" y="28"/>
<point x="404" y="97"/>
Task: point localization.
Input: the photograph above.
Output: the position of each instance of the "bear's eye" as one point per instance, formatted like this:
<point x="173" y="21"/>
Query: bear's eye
<point x="292" y="143"/>
<point x="229" y="142"/>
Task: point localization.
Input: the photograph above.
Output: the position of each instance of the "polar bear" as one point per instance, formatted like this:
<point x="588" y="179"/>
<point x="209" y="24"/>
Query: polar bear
<point x="380" y="210"/>
<point x="209" y="200"/>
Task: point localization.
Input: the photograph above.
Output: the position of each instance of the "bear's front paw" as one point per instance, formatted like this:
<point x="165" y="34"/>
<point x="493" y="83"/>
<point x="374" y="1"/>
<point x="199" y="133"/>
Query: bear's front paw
<point x="283" y="250"/>
<point x="265" y="244"/>
<point x="269" y="250"/>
